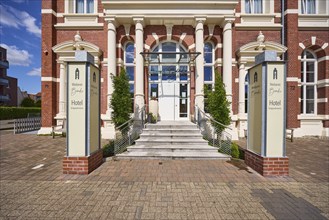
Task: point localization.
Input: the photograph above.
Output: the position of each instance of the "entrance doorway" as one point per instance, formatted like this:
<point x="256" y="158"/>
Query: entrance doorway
<point x="169" y="80"/>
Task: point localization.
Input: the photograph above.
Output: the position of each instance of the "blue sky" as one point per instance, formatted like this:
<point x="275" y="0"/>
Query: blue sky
<point x="20" y="34"/>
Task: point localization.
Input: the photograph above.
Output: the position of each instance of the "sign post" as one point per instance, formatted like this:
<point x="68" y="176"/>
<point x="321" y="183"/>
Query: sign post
<point x="266" y="148"/>
<point x="83" y="152"/>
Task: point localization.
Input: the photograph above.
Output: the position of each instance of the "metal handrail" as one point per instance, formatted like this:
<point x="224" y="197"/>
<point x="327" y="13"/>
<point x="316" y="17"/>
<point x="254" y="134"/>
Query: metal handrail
<point x="129" y="131"/>
<point x="216" y="137"/>
<point x="205" y="114"/>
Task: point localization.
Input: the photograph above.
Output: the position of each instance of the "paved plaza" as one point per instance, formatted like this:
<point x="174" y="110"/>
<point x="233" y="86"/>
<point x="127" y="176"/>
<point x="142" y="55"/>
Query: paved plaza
<point x="32" y="185"/>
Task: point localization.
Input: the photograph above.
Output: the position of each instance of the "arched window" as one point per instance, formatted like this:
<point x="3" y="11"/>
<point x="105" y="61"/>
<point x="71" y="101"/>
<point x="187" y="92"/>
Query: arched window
<point x="308" y="83"/>
<point x="208" y="69"/>
<point x="130" y="68"/>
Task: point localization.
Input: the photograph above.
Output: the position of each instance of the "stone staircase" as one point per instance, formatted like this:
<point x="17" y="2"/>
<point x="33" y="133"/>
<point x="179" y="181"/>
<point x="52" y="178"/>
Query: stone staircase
<point x="172" y="140"/>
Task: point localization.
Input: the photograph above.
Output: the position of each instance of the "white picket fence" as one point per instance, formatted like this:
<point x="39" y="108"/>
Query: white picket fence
<point x="27" y="124"/>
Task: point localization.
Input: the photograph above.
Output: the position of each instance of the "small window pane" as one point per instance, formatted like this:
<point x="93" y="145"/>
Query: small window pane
<point x="309" y="55"/>
<point x="168" y="73"/>
<point x="90" y="6"/>
<point x="79" y="6"/>
<point x="130" y="53"/>
<point x="309" y="106"/>
<point x="169" y="47"/>
<point x="154" y="73"/>
<point x="183" y="72"/>
<point x="258" y="6"/>
<point x="154" y="90"/>
<point x="208" y="73"/>
<point x="309" y="92"/>
<point x="130" y="72"/>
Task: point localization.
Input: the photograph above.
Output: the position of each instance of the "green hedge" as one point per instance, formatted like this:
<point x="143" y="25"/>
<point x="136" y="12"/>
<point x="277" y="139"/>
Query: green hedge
<point x="7" y="113"/>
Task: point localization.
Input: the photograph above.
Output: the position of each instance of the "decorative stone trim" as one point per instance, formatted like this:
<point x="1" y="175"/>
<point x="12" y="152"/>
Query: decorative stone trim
<point x="267" y="166"/>
<point x="82" y="165"/>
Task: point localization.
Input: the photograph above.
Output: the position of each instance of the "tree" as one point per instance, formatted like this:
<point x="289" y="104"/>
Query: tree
<point x="28" y="102"/>
<point x="38" y="103"/>
<point x="217" y="104"/>
<point x="121" y="99"/>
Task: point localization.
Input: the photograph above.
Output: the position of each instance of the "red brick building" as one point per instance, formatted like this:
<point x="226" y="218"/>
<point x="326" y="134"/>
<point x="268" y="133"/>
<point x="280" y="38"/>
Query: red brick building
<point x="8" y="85"/>
<point x="226" y="35"/>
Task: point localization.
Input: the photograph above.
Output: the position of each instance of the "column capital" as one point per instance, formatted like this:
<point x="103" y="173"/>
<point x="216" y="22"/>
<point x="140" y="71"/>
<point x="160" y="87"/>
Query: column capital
<point x="139" y="20"/>
<point x="242" y="64"/>
<point x="199" y="20"/>
<point x="111" y="21"/>
<point x="228" y="20"/>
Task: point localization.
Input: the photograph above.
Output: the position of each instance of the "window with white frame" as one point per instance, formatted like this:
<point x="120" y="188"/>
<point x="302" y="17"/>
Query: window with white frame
<point x="308" y="6"/>
<point x="130" y="68"/>
<point x="82" y="6"/>
<point x="246" y="90"/>
<point x="253" y="6"/>
<point x="208" y="69"/>
<point x="308" y="83"/>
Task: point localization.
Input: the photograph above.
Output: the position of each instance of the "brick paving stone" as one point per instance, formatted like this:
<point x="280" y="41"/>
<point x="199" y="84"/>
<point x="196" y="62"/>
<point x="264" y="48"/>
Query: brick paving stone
<point x="154" y="189"/>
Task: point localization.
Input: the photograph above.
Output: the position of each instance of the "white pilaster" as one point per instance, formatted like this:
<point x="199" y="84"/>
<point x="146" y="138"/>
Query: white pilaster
<point x="139" y="71"/>
<point x="108" y="131"/>
<point x="241" y="88"/>
<point x="227" y="59"/>
<point x="199" y="72"/>
<point x="61" y="115"/>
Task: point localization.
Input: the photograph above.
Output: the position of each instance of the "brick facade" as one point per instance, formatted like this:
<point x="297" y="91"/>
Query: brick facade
<point x="267" y="166"/>
<point x="82" y="165"/>
<point x="294" y="36"/>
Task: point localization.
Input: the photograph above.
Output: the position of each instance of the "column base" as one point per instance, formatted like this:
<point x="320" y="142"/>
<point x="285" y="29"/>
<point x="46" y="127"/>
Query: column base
<point x="45" y="130"/>
<point x="267" y="166"/>
<point x="108" y="131"/>
<point x="82" y="165"/>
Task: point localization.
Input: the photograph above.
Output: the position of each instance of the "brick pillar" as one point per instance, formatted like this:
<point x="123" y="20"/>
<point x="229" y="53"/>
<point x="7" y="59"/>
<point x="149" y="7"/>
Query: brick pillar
<point x="48" y="86"/>
<point x="293" y="65"/>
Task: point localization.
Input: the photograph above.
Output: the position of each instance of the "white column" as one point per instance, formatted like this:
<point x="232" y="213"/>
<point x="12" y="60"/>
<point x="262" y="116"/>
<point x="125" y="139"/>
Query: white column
<point x="108" y="131"/>
<point x="62" y="92"/>
<point x="199" y="75"/>
<point x="241" y="88"/>
<point x="111" y="61"/>
<point x="139" y="69"/>
<point x="227" y="59"/>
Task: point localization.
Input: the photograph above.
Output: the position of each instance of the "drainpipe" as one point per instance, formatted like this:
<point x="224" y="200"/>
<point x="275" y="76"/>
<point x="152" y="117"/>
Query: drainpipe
<point x="282" y="28"/>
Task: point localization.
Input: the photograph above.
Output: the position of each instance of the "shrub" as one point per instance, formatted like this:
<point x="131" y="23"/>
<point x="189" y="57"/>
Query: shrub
<point x="28" y="102"/>
<point x="217" y="104"/>
<point x="7" y="113"/>
<point x="235" y="150"/>
<point x="121" y="99"/>
<point x="108" y="149"/>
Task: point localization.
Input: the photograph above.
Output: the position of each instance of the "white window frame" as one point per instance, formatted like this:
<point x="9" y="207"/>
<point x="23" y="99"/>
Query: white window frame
<point x="304" y="3"/>
<point x="131" y="82"/>
<point x="70" y="10"/>
<point x="212" y="64"/>
<point x="304" y="82"/>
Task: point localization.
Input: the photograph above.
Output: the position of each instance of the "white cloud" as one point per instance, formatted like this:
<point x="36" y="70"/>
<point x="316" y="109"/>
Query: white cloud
<point x="12" y="17"/>
<point x="19" y="1"/>
<point x="35" y="72"/>
<point x="16" y="56"/>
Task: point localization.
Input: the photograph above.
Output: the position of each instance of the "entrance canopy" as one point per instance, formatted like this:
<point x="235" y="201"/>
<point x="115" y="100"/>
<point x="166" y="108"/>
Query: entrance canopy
<point x="170" y="57"/>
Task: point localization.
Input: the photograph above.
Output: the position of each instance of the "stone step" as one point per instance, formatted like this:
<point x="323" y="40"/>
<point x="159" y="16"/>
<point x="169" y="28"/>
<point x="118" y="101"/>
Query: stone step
<point x="161" y="141"/>
<point x="171" y="131"/>
<point x="171" y="135"/>
<point x="187" y="155"/>
<point x="172" y="148"/>
<point x="171" y="127"/>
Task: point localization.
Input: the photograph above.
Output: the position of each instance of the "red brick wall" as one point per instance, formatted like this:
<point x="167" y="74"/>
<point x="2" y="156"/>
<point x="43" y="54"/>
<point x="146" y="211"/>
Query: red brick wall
<point x="48" y="60"/>
<point x="82" y="165"/>
<point x="267" y="166"/>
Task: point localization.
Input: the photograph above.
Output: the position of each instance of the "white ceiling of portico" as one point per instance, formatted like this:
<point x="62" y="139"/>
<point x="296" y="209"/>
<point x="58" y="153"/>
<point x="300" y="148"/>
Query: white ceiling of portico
<point x="176" y="12"/>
